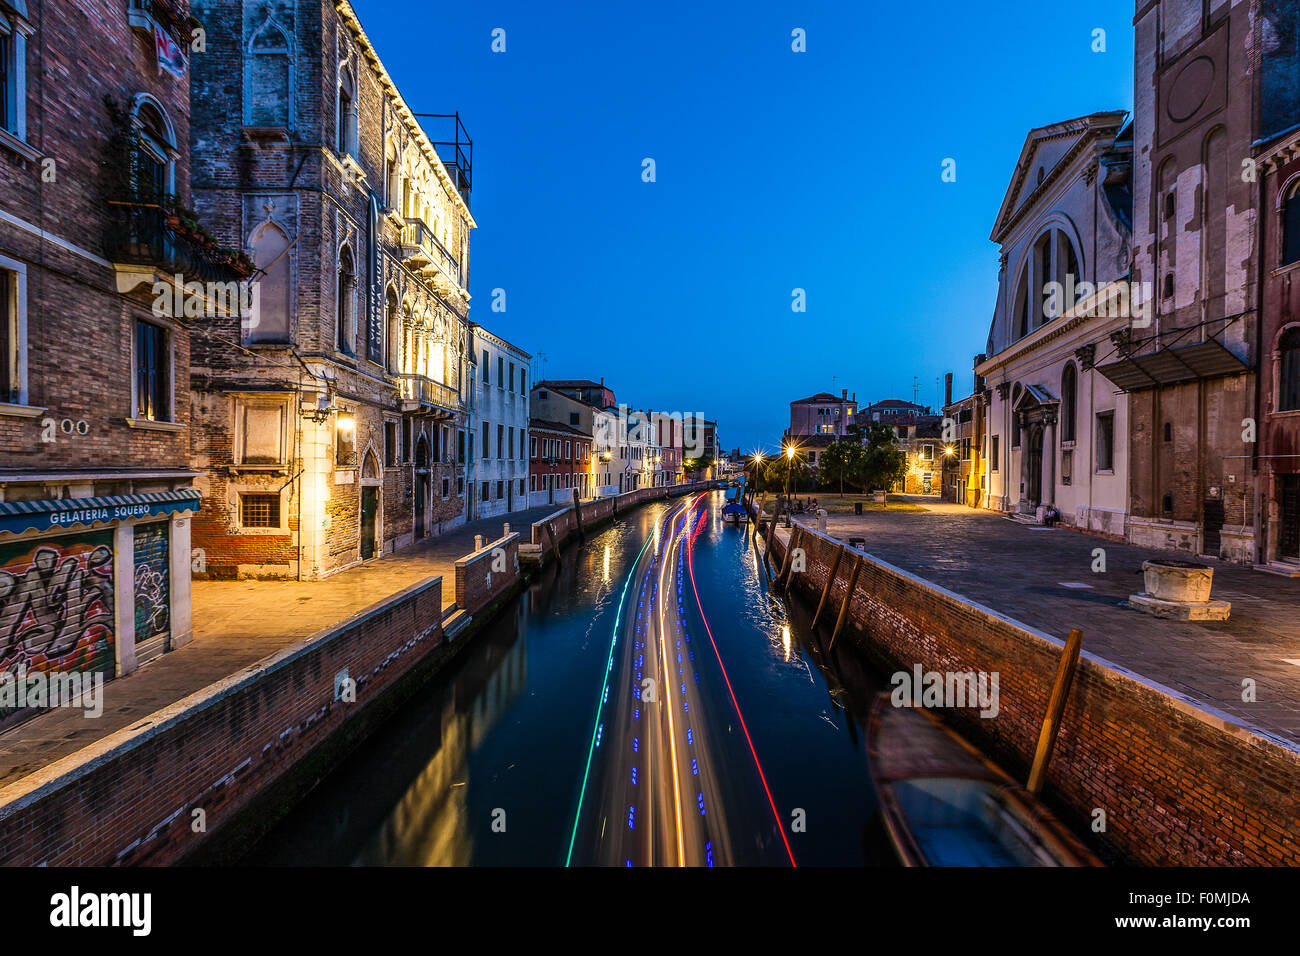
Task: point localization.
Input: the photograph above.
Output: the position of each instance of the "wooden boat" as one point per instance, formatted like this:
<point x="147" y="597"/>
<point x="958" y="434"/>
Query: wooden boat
<point x="946" y="804"/>
<point x="735" y="512"/>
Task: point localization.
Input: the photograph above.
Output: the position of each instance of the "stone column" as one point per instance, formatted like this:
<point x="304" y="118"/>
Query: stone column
<point x="182" y="618"/>
<point x="1049" y="460"/>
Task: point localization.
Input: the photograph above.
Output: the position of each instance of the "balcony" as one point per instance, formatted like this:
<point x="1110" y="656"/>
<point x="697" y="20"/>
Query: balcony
<point x="424" y="396"/>
<point x="171" y="16"/>
<point x="142" y="235"/>
<point x="422" y="252"/>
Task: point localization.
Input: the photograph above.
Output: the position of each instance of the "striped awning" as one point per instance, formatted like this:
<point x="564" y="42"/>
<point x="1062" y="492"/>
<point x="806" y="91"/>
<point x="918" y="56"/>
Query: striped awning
<point x="18" y="517"/>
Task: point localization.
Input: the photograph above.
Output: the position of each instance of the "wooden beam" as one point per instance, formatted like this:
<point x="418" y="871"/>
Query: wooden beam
<point x="783" y="580"/>
<point x="830" y="580"/>
<point x="1055" y="708"/>
<point x="848" y="600"/>
<point x="577" y="511"/>
<point x="555" y="546"/>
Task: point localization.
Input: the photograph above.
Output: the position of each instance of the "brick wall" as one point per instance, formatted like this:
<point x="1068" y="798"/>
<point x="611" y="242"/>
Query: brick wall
<point x="1179" y="785"/>
<point x="129" y="799"/>
<point x="487" y="574"/>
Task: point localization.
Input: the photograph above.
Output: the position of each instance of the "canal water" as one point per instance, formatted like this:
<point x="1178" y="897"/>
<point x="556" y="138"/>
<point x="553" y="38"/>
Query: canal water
<point x="503" y="758"/>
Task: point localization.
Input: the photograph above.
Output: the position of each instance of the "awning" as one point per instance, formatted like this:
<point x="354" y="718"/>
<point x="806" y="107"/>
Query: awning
<point x="1173" y="366"/>
<point x="18" y="517"/>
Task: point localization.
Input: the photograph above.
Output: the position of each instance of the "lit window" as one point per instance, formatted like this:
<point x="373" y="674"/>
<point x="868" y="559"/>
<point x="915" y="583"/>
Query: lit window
<point x="152" y="373"/>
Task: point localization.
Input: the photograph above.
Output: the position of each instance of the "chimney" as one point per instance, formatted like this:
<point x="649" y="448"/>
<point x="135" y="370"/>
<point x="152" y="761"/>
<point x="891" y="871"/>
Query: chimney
<point x="844" y="395"/>
<point x="979" y="379"/>
<point x="855" y="398"/>
<point x="947" y="390"/>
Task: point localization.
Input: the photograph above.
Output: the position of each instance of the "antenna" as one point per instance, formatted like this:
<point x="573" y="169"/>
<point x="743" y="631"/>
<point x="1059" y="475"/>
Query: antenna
<point x="916" y="390"/>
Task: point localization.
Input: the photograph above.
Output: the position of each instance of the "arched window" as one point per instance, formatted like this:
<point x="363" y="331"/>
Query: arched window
<point x="1069" y="401"/>
<point x="155" y="155"/>
<point x="344" y="306"/>
<point x="268" y="71"/>
<point x="346" y="118"/>
<point x="1288" y="391"/>
<point x="1291" y="225"/>
<point x="270" y="320"/>
<point x="1020" y="313"/>
<point x="394" y="326"/>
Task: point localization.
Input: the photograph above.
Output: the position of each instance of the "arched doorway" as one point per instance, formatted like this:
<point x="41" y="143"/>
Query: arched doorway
<point x="1034" y="492"/>
<point x="421" y="487"/>
<point x="370" y="489"/>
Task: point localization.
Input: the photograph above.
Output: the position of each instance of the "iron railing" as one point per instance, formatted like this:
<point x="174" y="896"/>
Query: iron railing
<point x="140" y="234"/>
<point x="423" y="391"/>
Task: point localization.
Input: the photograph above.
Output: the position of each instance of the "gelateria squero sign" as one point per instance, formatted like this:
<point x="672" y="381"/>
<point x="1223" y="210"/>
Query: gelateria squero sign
<point x="22" y="516"/>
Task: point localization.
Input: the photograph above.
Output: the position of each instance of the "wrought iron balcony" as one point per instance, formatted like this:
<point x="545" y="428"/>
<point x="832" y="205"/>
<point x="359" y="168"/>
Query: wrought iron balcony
<point x="142" y="235"/>
<point x="422" y="251"/>
<point x="422" y="394"/>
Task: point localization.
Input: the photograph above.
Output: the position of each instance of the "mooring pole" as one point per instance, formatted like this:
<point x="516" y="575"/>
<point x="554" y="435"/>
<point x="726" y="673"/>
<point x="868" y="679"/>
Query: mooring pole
<point x="830" y="580"/>
<point x="848" y="600"/>
<point x="782" y="581"/>
<point x="1055" y="708"/>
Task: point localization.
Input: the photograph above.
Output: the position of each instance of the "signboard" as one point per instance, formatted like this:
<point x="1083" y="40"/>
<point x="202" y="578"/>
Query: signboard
<point x="23" y="516"/>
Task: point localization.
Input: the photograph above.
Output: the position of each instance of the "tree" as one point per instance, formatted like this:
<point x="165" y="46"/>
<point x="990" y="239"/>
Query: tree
<point x="884" y="463"/>
<point x="801" y="474"/>
<point x="843" y="461"/>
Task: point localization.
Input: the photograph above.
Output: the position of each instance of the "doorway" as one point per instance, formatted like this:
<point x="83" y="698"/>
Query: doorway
<point x="421" y="487"/>
<point x="369" y="511"/>
<point x="1288" y="540"/>
<point x="1036" y="466"/>
<point x="1212" y="542"/>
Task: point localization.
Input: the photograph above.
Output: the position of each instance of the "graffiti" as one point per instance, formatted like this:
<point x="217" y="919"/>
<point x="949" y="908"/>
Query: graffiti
<point x="56" y="603"/>
<point x="151" y="581"/>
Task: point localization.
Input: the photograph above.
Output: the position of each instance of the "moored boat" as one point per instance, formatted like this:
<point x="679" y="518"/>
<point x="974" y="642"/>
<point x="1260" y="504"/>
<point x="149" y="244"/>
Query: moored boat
<point x="946" y="804"/>
<point x="735" y="512"/>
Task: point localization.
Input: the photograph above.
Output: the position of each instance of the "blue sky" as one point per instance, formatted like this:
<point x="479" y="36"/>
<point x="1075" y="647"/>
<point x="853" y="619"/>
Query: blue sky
<point x="775" y="170"/>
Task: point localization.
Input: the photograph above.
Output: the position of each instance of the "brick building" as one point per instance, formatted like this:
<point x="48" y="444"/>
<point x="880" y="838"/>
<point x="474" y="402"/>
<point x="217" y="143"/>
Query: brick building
<point x="1277" y="453"/>
<point x="559" y="463"/>
<point x="330" y="418"/>
<point x="965" y="444"/>
<point x="920" y="435"/>
<point x="1189" y="373"/>
<point x="822" y="414"/>
<point x="96" y="493"/>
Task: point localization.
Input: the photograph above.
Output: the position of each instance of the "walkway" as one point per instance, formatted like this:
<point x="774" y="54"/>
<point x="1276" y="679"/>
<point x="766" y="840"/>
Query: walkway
<point x="1044" y="578"/>
<point x="237" y="623"/>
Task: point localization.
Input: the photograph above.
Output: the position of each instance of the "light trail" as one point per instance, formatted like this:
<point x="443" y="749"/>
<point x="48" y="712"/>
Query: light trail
<point x="600" y="705"/>
<point x="690" y="562"/>
<point x="668" y="680"/>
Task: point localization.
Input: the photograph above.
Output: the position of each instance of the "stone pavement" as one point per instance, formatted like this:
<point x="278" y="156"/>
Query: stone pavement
<point x="237" y="623"/>
<point x="1043" y="577"/>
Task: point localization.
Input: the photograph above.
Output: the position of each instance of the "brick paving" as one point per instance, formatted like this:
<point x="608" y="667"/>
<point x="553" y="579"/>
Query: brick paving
<point x="237" y="623"/>
<point x="1043" y="577"/>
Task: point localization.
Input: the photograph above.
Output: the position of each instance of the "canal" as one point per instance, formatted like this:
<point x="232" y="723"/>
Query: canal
<point x="645" y="701"/>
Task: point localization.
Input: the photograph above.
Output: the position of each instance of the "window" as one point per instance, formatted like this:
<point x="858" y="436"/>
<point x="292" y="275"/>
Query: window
<point x="486" y="439"/>
<point x="460" y="486"/>
<point x="501" y="372"/>
<point x="1169" y="432"/>
<point x="390" y="444"/>
<point x="1289" y="370"/>
<point x="346" y="118"/>
<point x="501" y="489"/>
<point x="486" y="367"/>
<point x="521" y="486"/>
<point x="993" y="452"/>
<point x="345" y="444"/>
<point x="512" y="376"/>
<point x="268" y="77"/>
<point x="155" y="151"/>
<point x="1106" y="441"/>
<point x="260" y="439"/>
<point x="406" y="439"/>
<point x="152" y="373"/>
<point x="259" y="511"/>
<point x="344" y="306"/>
<point x="501" y="441"/>
<point x="460" y="447"/>
<point x="523" y="380"/>
<point x="271" y="254"/>
<point x="12" y="344"/>
<point x="532" y="447"/>
<point x="1291" y="226"/>
<point x="13" y="68"/>
<point x="1067" y="465"/>
<point x="446" y="488"/>
<point x="394" y="334"/>
<point x="1069" y="393"/>
<point x="566" y="449"/>
<point x="510" y="441"/>
<point x="485" y="494"/>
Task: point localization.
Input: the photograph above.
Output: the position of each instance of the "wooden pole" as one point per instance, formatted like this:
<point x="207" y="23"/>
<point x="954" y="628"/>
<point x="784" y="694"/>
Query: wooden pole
<point x="848" y="600"/>
<point x="555" y="545"/>
<point x="830" y="579"/>
<point x="577" y="511"/>
<point x="789" y="551"/>
<point x="1055" y="708"/>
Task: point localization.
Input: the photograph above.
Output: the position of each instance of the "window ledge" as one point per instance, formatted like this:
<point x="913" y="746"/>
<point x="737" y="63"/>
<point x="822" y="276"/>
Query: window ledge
<point x="148" y="425"/>
<point x="1285" y="413"/>
<point x="21" y="411"/>
<point x="1104" y="471"/>
<point x="15" y="145"/>
<point x="262" y="469"/>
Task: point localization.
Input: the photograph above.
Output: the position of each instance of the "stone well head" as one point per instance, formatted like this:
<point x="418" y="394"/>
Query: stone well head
<point x="1169" y="579"/>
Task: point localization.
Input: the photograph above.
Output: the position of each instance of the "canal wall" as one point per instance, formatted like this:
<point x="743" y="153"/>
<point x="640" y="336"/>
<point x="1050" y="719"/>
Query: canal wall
<point x="1177" y="783"/>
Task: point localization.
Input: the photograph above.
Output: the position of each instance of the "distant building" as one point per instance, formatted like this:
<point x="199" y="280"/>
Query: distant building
<point x="559" y="463"/>
<point x="964" y="446"/>
<point x="499" y="474"/>
<point x="919" y="433"/>
<point x="822" y="414"/>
